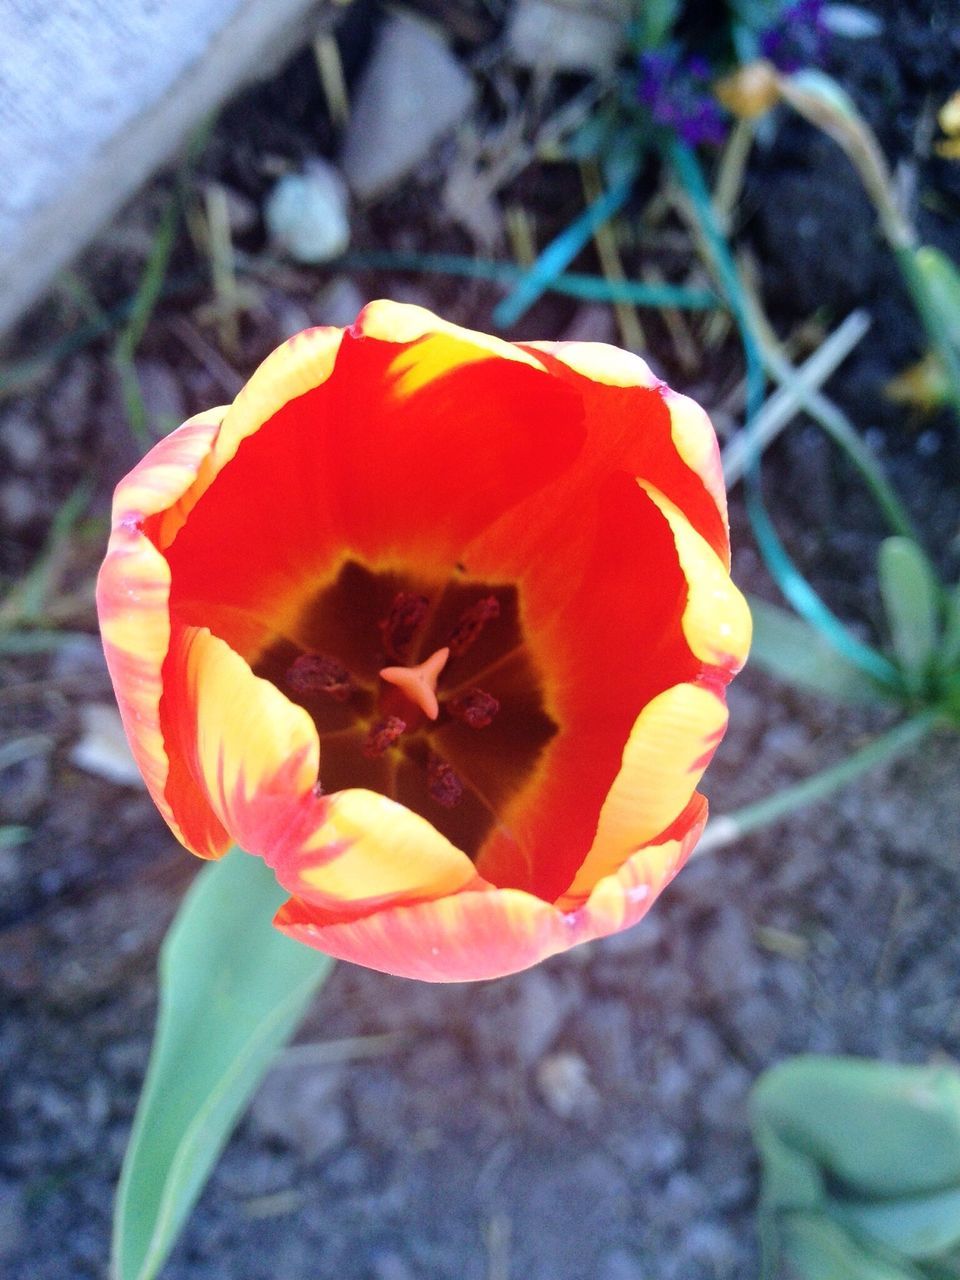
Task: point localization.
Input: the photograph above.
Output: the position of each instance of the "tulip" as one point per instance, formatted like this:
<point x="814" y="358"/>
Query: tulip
<point x="438" y="626"/>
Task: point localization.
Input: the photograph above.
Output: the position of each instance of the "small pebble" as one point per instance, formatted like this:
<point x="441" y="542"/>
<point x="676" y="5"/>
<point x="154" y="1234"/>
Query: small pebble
<point x="564" y="1083"/>
<point x="22" y="441"/>
<point x="18" y="504"/>
<point x="412" y="92"/>
<point x="587" y="36"/>
<point x="307" y="214"/>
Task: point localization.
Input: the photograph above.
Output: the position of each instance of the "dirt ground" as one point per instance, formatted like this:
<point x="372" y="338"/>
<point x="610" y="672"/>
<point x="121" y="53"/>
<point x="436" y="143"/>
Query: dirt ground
<point x="586" y="1119"/>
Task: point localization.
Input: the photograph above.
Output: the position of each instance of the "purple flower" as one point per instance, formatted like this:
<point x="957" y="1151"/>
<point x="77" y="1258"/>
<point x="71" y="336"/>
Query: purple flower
<point x="677" y="94"/>
<point x="798" y="38"/>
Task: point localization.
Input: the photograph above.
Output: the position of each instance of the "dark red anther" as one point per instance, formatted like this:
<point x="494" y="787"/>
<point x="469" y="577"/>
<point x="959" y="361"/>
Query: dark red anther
<point x="400" y="625"/>
<point x="471" y="624"/>
<point x="443" y="783"/>
<point x="474" y="708"/>
<point x="382" y="737"/>
<point x="316" y="673"/>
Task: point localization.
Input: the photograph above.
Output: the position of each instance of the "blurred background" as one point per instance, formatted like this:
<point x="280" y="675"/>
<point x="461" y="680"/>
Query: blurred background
<point x="183" y="188"/>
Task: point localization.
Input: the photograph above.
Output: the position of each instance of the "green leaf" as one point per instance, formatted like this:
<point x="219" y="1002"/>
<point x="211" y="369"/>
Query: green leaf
<point x="794" y="651"/>
<point x="822" y="88"/>
<point x="949" y="654"/>
<point x="791" y="1178"/>
<point x="919" y="1227"/>
<point x="942" y="280"/>
<point x="877" y="1130"/>
<point x="655" y="22"/>
<point x="819" y="1249"/>
<point x="232" y="992"/>
<point x="911" y="598"/>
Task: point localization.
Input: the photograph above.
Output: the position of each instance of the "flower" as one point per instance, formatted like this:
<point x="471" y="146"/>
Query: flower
<point x="439" y="627"/>
<point x="677" y="93"/>
<point x="798" y="38"/>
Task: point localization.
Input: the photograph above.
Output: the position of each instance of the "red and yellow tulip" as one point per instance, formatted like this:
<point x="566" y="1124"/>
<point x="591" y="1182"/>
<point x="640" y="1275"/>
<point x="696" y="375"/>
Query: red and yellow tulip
<point x="439" y="627"/>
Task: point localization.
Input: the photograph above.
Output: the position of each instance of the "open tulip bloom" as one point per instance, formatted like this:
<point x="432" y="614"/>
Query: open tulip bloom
<point x="439" y="627"/>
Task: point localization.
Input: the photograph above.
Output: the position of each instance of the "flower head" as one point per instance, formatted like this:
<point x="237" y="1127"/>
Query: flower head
<point x="798" y="38"/>
<point x="677" y="94"/>
<point x="439" y="627"/>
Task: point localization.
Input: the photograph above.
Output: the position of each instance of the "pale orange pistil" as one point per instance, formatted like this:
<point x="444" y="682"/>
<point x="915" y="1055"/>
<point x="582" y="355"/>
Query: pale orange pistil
<point x="419" y="683"/>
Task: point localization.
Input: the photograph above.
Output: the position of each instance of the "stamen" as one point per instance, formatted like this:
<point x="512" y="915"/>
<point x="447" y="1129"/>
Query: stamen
<point x="419" y="683"/>
<point x="318" y="673"/>
<point x="443" y="783"/>
<point x="382" y="737"/>
<point x="474" y="708"/>
<point x="471" y="624"/>
<point x="400" y="625"/>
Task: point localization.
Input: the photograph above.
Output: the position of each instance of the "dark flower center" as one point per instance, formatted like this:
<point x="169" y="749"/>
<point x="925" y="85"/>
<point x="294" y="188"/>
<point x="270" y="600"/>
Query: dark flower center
<point x="424" y="692"/>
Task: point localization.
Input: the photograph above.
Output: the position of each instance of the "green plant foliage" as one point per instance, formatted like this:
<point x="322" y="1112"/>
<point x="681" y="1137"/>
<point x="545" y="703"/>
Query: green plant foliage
<point x="232" y="991"/>
<point x="935" y="283"/>
<point x="920" y="1227"/>
<point x="861" y="1168"/>
<point x="818" y="1249"/>
<point x="825" y="90"/>
<point x="654" y="23"/>
<point x="796" y="652"/>
<point x="911" y="598"/>
<point x="950" y="646"/>
<point x="942" y="280"/>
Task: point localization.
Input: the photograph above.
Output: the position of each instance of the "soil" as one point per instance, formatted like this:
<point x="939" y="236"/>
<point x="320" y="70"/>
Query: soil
<point x="589" y="1118"/>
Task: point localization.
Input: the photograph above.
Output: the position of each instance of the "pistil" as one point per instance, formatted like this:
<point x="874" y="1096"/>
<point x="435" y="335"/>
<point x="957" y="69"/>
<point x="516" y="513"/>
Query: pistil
<point x="419" y="683"/>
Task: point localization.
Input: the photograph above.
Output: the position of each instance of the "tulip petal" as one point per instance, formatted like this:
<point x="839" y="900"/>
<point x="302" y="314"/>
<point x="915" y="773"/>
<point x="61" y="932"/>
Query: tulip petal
<point x="301" y="364"/>
<point x="603" y="595"/>
<point x="667" y="437"/>
<point x="676" y="734"/>
<point x="486" y="933"/>
<point x="716" y="620"/>
<point x="366" y="850"/>
<point x="404" y="323"/>
<point x="241" y="751"/>
<point x="133" y="590"/>
<point x="666" y="754"/>
<point x="390" y="433"/>
<point x="241" y="754"/>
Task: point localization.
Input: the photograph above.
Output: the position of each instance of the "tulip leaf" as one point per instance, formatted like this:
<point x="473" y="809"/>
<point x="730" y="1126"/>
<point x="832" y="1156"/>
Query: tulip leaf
<point x="942" y="280"/>
<point x="911" y="599"/>
<point x="232" y="992"/>
<point x="876" y="1130"/>
<point x="819" y="1249"/>
<point x="655" y="20"/>
<point x="917" y="1226"/>
<point x="950" y="644"/>
<point x="794" y="651"/>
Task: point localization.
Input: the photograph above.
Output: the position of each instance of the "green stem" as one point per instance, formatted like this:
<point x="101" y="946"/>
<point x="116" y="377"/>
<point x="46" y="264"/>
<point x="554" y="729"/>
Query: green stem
<point x="574" y="284"/>
<point x="787" y="576"/>
<point x="727" y="828"/>
<point x="147" y="296"/>
<point x="932" y="321"/>
<point x="803" y="387"/>
<point x="560" y="252"/>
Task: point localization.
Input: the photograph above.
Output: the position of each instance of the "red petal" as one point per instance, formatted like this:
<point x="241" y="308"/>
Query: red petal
<point x="133" y="591"/>
<point x="660" y="436"/>
<point x="486" y="933"/>
<point x="402" y="455"/>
